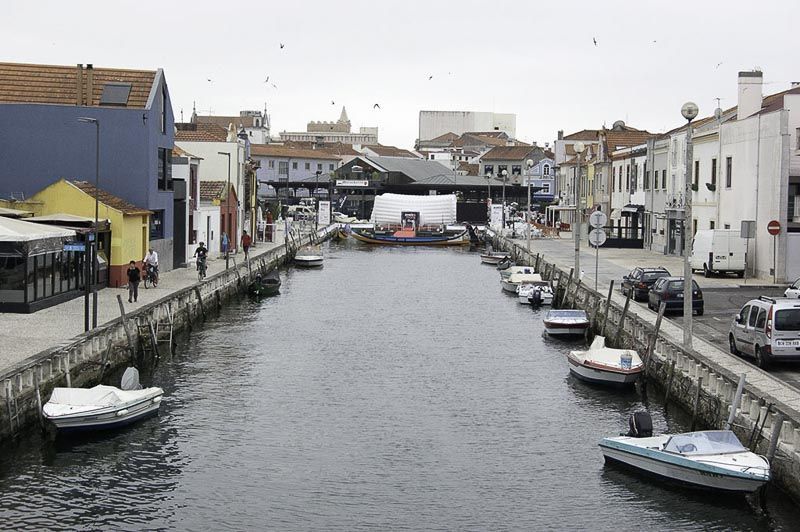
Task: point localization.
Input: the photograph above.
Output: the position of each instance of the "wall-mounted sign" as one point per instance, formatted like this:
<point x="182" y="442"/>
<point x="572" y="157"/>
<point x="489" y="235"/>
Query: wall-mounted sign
<point x="324" y="213"/>
<point x="352" y="182"/>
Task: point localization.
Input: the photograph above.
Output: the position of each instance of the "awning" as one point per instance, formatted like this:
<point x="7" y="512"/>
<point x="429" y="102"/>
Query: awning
<point x="632" y="208"/>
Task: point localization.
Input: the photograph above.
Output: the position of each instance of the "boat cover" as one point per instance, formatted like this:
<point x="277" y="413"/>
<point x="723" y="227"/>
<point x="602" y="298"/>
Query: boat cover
<point x="598" y="352"/>
<point x="705" y="442"/>
<point x="433" y="210"/>
<point x="71" y="400"/>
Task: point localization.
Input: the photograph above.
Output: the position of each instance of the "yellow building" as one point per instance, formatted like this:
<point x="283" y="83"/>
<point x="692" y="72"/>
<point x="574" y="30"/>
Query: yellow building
<point x="129" y="225"/>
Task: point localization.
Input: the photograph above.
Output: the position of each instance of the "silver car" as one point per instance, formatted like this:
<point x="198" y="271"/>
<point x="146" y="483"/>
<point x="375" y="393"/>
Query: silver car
<point x="767" y="329"/>
<point x="794" y="290"/>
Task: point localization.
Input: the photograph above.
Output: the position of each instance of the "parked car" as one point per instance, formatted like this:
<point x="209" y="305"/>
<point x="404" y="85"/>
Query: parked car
<point x="640" y="280"/>
<point x="718" y="250"/>
<point x="767" y="329"/>
<point x="343" y="218"/>
<point x="794" y="290"/>
<point x="670" y="291"/>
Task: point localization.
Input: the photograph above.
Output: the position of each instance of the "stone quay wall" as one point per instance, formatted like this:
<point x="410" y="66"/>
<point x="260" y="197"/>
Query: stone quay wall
<point x="762" y="415"/>
<point x="85" y="360"/>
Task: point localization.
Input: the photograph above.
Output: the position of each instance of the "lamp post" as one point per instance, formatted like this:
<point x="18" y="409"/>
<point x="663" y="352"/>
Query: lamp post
<point x="94" y="272"/>
<point x="316" y="185"/>
<point x="489" y="198"/>
<point x="579" y="148"/>
<point x="504" y="173"/>
<point x="689" y="112"/>
<point x="529" y="165"/>
<point x="227" y="206"/>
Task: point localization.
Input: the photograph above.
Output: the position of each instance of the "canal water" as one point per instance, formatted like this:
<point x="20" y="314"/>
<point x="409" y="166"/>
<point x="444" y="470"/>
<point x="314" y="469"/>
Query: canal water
<point x="395" y="388"/>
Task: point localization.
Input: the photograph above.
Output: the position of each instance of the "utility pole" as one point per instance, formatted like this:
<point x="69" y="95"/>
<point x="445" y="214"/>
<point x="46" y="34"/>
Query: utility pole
<point x="579" y="148"/>
<point x="689" y="112"/>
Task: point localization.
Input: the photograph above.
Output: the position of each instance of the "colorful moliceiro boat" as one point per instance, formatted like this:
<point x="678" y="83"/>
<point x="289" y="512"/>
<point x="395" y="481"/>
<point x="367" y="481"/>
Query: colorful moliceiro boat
<point x="604" y="365"/>
<point x="709" y="459"/>
<point x="413" y="221"/>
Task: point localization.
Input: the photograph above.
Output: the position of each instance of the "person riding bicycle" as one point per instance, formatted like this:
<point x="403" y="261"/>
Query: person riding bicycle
<point x="201" y="253"/>
<point x="151" y="264"/>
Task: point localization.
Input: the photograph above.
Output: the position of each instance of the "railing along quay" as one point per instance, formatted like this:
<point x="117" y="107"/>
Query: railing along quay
<point x="85" y="359"/>
<point x="704" y="387"/>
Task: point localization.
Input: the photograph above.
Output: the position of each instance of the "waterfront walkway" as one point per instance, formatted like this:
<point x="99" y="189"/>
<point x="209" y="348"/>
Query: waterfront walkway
<point x="23" y="335"/>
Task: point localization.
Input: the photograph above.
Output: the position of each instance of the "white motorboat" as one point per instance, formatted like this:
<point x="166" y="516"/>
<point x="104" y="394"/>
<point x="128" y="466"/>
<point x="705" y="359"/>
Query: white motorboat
<point x="511" y="270"/>
<point x="710" y="459"/>
<point x="526" y="293"/>
<point x="566" y="322"/>
<point x="515" y="280"/>
<point x="604" y="365"/>
<point x="493" y="257"/>
<point x="102" y="407"/>
<point x="309" y="257"/>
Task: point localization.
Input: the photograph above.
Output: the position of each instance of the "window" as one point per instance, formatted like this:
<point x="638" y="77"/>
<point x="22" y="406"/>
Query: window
<point x="488" y="169"/>
<point x="797" y="137"/>
<point x="545" y="188"/>
<point x="283" y="168"/>
<point x="516" y="169"/>
<point x="711" y="224"/>
<point x="728" y="172"/>
<point x="744" y="315"/>
<point x="696" y="176"/>
<point x="546" y="168"/>
<point x="647" y="179"/>
<point x="500" y="168"/>
<point x="319" y="166"/>
<point x="664" y="179"/>
<point x="753" y="317"/>
<point x="627" y="177"/>
<point x="727" y="226"/>
<point x="762" y="319"/>
<point x="164" y="169"/>
<point x="157" y="225"/>
<point x="330" y="167"/>
<point x="271" y="163"/>
<point x="714" y="171"/>
<point x="308" y="166"/>
<point x="613" y="179"/>
<point x="294" y="165"/>
<point x="116" y="94"/>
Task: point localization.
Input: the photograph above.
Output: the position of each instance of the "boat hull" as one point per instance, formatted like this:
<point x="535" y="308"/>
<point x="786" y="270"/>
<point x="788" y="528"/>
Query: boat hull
<point x="560" y="329"/>
<point x="672" y="469"/>
<point x="606" y="377"/>
<point x="106" y="418"/>
<point x="308" y="262"/>
<point x="492" y="259"/>
<point x="456" y="240"/>
<point x="509" y="286"/>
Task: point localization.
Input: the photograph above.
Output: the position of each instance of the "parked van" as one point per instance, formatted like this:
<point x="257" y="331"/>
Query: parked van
<point x="767" y="329"/>
<point x="718" y="250"/>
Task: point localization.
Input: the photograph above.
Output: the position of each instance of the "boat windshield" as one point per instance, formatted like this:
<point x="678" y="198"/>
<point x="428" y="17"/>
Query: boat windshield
<point x="704" y="442"/>
<point x="567" y="314"/>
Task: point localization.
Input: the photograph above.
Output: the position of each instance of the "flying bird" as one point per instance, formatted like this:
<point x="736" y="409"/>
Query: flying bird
<point x="718" y="65"/>
<point x="266" y="80"/>
<point x="594" y="40"/>
<point x="376" y="106"/>
<point x="430" y="78"/>
<point x="282" y="45"/>
<point x="209" y="80"/>
<point x="333" y="103"/>
<point x="274" y="86"/>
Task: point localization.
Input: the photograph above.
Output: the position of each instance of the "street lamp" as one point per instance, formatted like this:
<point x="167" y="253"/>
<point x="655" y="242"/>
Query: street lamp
<point x="227" y="206"/>
<point x="488" y="176"/>
<point x="689" y="112"/>
<point x="579" y="148"/>
<point x="529" y="164"/>
<point x="504" y="173"/>
<point x="316" y="186"/>
<point x="94" y="272"/>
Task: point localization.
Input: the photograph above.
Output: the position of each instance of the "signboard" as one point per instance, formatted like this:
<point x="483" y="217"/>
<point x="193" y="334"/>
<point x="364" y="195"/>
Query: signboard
<point x="324" y="213"/>
<point x="352" y="182"/>
<point x="748" y="229"/>
<point x="598" y="219"/>
<point x="774" y="227"/>
<point x="75" y="246"/>
<point x="409" y="219"/>
<point x="496" y="220"/>
<point x="597" y="237"/>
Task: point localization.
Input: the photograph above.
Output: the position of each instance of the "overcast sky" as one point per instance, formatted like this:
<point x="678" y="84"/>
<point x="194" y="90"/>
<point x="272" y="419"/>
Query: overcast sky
<point x="528" y="58"/>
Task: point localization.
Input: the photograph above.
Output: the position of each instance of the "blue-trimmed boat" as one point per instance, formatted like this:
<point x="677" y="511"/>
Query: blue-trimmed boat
<point x="411" y="237"/>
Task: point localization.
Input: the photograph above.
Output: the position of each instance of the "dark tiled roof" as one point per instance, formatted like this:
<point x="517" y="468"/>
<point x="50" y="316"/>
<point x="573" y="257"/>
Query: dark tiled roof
<point x="470" y="169"/>
<point x="585" y="134"/>
<point x="106" y="198"/>
<point x="278" y="150"/>
<point x="390" y="151"/>
<point x="53" y="84"/>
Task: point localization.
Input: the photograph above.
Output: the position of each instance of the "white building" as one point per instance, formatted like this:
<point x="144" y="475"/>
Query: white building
<point x="433" y="124"/>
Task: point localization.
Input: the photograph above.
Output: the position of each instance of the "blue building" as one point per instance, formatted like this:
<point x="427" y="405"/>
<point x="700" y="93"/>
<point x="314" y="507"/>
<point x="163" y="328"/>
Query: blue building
<point x="542" y="177"/>
<point x="42" y="139"/>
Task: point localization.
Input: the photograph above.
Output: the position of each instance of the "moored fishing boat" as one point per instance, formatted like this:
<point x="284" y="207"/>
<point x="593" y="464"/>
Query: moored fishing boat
<point x="604" y="365"/>
<point x="309" y="257"/>
<point x="527" y="293"/>
<point x="493" y="257"/>
<point x="265" y="286"/>
<point x="515" y="280"/>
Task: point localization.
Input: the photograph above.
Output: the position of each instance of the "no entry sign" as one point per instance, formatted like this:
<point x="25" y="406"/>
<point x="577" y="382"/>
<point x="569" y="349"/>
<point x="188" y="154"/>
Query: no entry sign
<point x="774" y="227"/>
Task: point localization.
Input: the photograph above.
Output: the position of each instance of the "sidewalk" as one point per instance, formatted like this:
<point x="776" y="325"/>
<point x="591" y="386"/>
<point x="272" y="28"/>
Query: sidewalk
<point x="23" y="335"/>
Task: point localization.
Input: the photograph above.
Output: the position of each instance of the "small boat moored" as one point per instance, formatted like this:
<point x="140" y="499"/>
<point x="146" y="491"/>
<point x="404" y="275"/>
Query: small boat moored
<point x="604" y="365"/>
<point x="708" y="459"/>
<point x="515" y="280"/>
<point x="102" y="407"/>
<point x="566" y="322"/>
<point x="493" y="257"/>
<point x="527" y="293"/>
<point x="309" y="257"/>
<point x="265" y="286"/>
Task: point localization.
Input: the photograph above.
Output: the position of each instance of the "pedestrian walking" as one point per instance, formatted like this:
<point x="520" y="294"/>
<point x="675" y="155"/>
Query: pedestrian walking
<point x="134" y="276"/>
<point x="246" y="241"/>
<point x="224" y="243"/>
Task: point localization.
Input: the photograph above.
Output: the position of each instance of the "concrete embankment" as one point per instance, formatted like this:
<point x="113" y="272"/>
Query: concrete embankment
<point x="86" y="359"/>
<point x="702" y="380"/>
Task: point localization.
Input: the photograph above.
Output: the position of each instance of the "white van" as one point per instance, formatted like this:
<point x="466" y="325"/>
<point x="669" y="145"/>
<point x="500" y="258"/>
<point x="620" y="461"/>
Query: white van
<point x="717" y="251"/>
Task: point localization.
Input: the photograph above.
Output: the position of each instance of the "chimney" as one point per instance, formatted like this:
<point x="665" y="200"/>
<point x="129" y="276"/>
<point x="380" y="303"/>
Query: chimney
<point x="560" y="134"/>
<point x="795" y="84"/>
<point x="79" y="85"/>
<point x="89" y="84"/>
<point x="749" y="94"/>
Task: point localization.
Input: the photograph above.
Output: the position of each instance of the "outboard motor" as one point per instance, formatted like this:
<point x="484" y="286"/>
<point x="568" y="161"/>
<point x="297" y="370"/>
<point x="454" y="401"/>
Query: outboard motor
<point x="504" y="264"/>
<point x="640" y="425"/>
<point x="473" y="236"/>
<point x="130" y="379"/>
<point x="535" y="298"/>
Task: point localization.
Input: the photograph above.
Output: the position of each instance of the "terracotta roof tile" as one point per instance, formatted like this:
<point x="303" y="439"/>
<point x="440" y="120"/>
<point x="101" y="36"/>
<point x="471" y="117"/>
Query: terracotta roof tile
<point x="508" y="153"/>
<point x="585" y="134"/>
<point x="54" y="84"/>
<point x="200" y="133"/>
<point x="338" y="149"/>
<point x="447" y="137"/>
<point x="277" y="150"/>
<point x="109" y="199"/>
<point x="469" y="168"/>
<point x="212" y="190"/>
<point x="390" y="151"/>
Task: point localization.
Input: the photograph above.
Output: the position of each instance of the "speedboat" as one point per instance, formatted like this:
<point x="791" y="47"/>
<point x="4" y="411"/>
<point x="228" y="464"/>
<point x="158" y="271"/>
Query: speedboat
<point x="526" y="293"/>
<point x="511" y="270"/>
<point x="493" y="257"/>
<point x="566" y="322"/>
<point x="709" y="459"/>
<point x="604" y="365"/>
<point x="515" y="280"/>
<point x="102" y="407"/>
<point x="309" y="257"/>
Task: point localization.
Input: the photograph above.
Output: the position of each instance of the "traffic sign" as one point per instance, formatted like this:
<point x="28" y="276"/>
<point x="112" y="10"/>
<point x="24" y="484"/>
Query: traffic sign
<point x="598" y="219"/>
<point x="774" y="227"/>
<point x="748" y="229"/>
<point x="597" y="237"/>
<point x="75" y="246"/>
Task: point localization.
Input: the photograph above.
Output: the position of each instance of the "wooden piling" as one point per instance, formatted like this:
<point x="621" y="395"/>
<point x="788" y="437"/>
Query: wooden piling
<point x="608" y="308"/>
<point x="126" y="326"/>
<point x="776" y="433"/>
<point x="621" y="325"/>
<point x="669" y="385"/>
<point x="696" y="408"/>
<point x="566" y="288"/>
<point x="36" y="381"/>
<point x="651" y="344"/>
<point x="200" y="300"/>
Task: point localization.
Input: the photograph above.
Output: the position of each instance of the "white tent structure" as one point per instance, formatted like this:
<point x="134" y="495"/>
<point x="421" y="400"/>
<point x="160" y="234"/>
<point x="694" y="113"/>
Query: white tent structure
<point x="433" y="210"/>
<point x="12" y="230"/>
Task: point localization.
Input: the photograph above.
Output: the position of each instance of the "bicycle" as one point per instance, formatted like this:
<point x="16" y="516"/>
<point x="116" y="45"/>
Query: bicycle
<point x="150" y="276"/>
<point x="201" y="269"/>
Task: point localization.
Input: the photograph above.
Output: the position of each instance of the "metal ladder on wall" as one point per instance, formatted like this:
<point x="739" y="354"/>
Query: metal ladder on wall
<point x="13" y="409"/>
<point x="164" y="328"/>
<point x="147" y="338"/>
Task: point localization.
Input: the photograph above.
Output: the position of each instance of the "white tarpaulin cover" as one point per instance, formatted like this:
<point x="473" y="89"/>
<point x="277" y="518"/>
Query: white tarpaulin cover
<point x="18" y="231"/>
<point x="72" y="400"/>
<point x="434" y="210"/>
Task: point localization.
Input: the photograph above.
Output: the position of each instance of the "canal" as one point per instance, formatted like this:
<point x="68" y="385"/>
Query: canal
<point x="395" y="388"/>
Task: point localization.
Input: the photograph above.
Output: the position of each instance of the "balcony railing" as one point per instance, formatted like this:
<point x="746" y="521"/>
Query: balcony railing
<point x="674" y="201"/>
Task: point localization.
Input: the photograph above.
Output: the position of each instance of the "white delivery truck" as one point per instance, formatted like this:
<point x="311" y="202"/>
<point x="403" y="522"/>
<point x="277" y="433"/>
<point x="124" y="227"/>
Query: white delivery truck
<point x="718" y="251"/>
